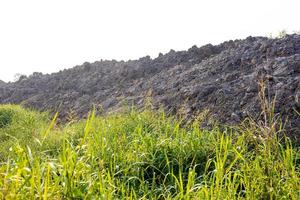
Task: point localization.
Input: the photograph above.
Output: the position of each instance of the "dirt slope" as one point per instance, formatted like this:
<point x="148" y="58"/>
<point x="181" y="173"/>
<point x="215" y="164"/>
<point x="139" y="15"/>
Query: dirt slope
<point x="222" y="78"/>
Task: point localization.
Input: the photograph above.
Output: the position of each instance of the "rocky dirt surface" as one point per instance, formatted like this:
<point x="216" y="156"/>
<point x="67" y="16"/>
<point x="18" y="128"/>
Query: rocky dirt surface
<point x="222" y="79"/>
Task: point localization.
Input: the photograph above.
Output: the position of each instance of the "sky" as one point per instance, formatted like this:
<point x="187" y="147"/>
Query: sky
<point x="51" y="35"/>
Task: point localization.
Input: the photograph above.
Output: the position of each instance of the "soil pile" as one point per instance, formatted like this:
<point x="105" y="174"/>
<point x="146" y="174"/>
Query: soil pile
<point x="222" y="78"/>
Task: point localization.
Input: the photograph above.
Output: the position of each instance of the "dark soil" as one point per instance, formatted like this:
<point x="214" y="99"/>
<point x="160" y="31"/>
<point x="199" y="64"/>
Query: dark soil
<point x="222" y="78"/>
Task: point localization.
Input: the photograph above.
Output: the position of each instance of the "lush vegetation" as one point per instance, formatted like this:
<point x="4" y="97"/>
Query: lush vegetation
<point x="142" y="155"/>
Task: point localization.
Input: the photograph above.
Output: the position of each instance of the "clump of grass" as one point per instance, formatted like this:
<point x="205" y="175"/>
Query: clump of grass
<point x="18" y="125"/>
<point x="147" y="155"/>
<point x="6" y="115"/>
<point x="26" y="127"/>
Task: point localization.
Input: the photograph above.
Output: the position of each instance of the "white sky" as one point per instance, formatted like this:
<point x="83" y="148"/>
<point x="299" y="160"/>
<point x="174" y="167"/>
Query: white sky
<point x="46" y="36"/>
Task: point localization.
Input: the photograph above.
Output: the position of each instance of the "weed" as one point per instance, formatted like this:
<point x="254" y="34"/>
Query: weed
<point x="145" y="155"/>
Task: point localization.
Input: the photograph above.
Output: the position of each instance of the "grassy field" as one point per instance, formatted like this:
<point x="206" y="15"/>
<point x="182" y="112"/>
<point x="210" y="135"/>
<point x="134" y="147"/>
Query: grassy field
<point x="142" y="155"/>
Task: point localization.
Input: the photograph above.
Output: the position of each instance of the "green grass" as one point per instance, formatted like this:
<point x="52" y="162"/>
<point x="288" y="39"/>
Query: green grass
<point x="141" y="155"/>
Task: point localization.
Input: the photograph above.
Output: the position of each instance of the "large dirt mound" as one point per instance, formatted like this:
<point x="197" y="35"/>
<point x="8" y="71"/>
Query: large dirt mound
<point x="223" y="79"/>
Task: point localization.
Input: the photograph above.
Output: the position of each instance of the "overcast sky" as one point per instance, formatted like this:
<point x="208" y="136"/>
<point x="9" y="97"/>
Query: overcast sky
<point x="46" y="36"/>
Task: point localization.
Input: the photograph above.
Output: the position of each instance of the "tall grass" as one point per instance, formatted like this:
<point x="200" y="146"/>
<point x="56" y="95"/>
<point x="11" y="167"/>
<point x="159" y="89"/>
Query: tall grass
<point x="145" y="155"/>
